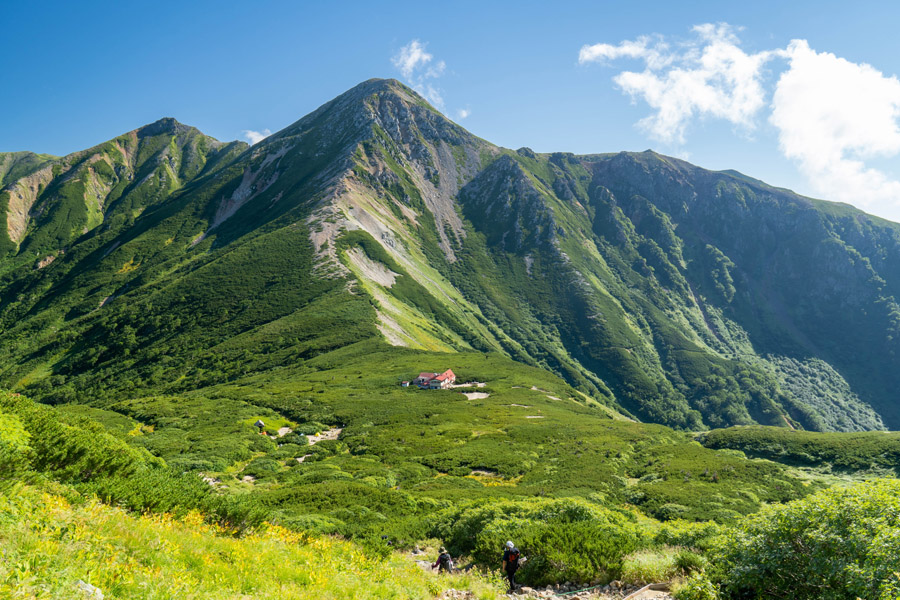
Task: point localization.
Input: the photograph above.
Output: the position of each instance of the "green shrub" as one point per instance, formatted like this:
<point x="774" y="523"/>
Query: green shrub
<point x="688" y="561"/>
<point x="289" y="451"/>
<point x="688" y="534"/>
<point x="262" y="467"/>
<point x="564" y="539"/>
<point x="670" y="511"/>
<point x="305" y="429"/>
<point x="155" y="490"/>
<point x="15" y="452"/>
<point x="696" y="586"/>
<point x="76" y="453"/>
<point x="295" y="438"/>
<point x="852" y="451"/>
<point x="836" y="544"/>
<point x="648" y="566"/>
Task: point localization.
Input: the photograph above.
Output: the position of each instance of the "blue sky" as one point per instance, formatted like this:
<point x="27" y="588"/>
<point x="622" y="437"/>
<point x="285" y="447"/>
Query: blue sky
<point x="782" y="93"/>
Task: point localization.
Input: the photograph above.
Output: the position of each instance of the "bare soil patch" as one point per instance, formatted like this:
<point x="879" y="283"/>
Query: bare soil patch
<point x="331" y="434"/>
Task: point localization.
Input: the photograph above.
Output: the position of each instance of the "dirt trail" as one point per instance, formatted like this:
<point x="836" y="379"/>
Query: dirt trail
<point x="468" y="384"/>
<point x="606" y="592"/>
<point x="331" y="434"/>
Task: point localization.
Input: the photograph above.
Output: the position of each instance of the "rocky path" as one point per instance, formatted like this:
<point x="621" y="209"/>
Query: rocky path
<point x="607" y="592"/>
<point x="331" y="434"/>
<point x="615" y="590"/>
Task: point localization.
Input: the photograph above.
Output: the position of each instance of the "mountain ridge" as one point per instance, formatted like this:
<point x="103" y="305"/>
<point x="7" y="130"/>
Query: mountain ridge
<point x="651" y="284"/>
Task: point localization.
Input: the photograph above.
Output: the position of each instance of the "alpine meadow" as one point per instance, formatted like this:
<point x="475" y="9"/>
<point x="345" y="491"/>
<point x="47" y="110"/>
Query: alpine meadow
<point x="663" y="374"/>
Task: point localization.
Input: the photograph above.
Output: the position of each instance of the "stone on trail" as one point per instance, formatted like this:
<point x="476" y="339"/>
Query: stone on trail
<point x="88" y="590"/>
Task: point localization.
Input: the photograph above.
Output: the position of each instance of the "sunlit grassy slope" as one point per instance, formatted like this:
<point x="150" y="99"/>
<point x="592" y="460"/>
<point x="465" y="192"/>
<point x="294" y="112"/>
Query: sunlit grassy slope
<point x="50" y="544"/>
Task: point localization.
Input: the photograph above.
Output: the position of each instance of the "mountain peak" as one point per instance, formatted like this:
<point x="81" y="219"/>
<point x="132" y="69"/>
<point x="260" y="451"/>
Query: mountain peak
<point x="377" y="84"/>
<point x="164" y="125"/>
<point x="359" y="94"/>
<point x="383" y="102"/>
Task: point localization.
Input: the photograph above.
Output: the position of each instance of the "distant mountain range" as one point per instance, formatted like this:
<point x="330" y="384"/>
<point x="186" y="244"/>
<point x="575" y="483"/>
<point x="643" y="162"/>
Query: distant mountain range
<point x="164" y="260"/>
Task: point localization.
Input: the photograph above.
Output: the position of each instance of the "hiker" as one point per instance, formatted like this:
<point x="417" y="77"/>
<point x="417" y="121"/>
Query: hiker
<point x="444" y="562"/>
<point x="511" y="564"/>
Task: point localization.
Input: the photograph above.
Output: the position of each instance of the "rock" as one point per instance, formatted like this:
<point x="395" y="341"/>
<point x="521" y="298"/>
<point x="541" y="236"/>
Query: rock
<point x="89" y="590"/>
<point x="454" y="594"/>
<point x="426" y="566"/>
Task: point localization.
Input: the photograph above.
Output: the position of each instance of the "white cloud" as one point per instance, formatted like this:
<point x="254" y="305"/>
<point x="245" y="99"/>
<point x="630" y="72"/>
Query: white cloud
<point x="416" y="66"/>
<point x="709" y="76"/>
<point x="463" y="113"/>
<point x="832" y="115"/>
<point x="255" y="137"/>
<point x="436" y="70"/>
<point x="411" y="58"/>
<point x="653" y="50"/>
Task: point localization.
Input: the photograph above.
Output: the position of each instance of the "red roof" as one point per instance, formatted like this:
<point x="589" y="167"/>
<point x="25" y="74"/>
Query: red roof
<point x="448" y="374"/>
<point x="424" y="375"/>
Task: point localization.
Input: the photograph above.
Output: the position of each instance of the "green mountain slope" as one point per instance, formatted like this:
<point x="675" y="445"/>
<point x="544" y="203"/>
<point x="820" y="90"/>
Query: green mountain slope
<point x="164" y="261"/>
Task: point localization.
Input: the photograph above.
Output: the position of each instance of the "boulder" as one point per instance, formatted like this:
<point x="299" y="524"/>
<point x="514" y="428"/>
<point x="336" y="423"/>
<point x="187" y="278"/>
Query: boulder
<point x="89" y="591"/>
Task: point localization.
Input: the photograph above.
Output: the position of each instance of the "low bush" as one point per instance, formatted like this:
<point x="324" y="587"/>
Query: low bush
<point x="696" y="586"/>
<point x="261" y="467"/>
<point x="688" y="534"/>
<point x="15" y="452"/>
<point x="648" y="566"/>
<point x="852" y="451"/>
<point x="688" y="561"/>
<point x="82" y="455"/>
<point x="839" y="543"/>
<point x="564" y="539"/>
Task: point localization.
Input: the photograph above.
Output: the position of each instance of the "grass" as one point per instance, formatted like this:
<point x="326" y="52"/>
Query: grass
<point x="650" y="566"/>
<point x="50" y="543"/>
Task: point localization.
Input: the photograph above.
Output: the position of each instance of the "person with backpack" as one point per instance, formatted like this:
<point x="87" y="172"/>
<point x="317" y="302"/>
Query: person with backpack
<point x="444" y="562"/>
<point x="511" y="564"/>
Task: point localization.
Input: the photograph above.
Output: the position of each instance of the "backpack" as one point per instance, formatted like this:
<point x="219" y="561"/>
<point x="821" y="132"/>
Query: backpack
<point x="445" y="561"/>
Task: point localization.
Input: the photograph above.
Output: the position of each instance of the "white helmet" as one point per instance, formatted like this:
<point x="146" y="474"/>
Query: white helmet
<point x="510" y="545"/>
